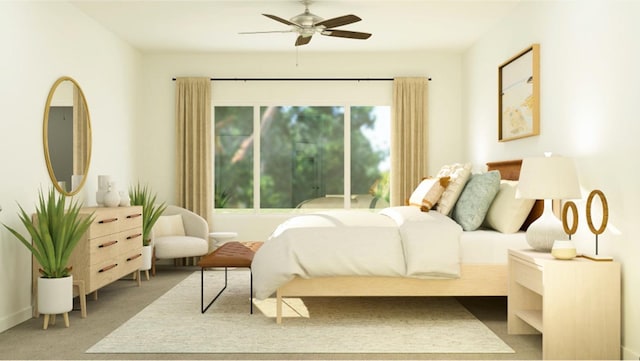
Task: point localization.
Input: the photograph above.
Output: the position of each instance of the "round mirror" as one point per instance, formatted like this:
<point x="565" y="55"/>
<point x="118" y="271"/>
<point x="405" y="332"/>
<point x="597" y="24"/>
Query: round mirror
<point x="67" y="136"/>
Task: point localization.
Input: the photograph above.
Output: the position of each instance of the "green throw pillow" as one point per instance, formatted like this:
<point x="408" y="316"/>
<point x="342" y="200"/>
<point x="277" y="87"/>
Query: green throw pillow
<point x="474" y="201"/>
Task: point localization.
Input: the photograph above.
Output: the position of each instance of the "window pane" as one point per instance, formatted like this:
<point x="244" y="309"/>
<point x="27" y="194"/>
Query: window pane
<point x="233" y="131"/>
<point x="301" y="155"/>
<point x="370" y="162"/>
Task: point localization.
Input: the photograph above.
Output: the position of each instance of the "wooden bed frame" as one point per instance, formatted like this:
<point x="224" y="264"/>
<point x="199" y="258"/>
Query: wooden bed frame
<point x="475" y="279"/>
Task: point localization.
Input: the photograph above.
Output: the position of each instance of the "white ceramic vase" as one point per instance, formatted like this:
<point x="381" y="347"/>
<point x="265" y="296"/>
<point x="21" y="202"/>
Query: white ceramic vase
<point x="103" y="182"/>
<point x="100" y="198"/>
<point x="103" y="188"/>
<point x="55" y="295"/>
<point x="124" y="199"/>
<point x="112" y="198"/>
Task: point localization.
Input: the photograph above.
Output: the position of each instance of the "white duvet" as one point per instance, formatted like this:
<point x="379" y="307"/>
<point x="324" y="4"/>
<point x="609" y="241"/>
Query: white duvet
<point x="397" y="241"/>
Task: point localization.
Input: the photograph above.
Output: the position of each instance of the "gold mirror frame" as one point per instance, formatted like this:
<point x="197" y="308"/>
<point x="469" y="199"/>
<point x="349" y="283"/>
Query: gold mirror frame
<point x="81" y="136"/>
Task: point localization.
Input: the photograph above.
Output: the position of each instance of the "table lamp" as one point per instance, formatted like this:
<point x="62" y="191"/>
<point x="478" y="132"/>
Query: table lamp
<point x="547" y="178"/>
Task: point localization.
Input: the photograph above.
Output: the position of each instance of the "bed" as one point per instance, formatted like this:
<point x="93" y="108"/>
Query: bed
<point x="482" y="265"/>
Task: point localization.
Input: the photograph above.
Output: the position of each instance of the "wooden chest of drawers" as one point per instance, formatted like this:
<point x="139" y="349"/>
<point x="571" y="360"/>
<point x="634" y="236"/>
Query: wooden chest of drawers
<point x="110" y="249"/>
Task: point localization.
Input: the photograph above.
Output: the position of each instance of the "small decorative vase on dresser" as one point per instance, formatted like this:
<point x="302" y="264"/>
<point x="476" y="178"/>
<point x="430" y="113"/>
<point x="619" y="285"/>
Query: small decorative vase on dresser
<point x="112" y="197"/>
<point x="108" y="251"/>
<point x="574" y="304"/>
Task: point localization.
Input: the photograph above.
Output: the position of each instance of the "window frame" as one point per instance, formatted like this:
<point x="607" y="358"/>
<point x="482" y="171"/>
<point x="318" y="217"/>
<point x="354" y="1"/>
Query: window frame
<point x="345" y="94"/>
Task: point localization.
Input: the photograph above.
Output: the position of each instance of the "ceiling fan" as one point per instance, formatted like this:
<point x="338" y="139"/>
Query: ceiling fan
<point x="307" y="24"/>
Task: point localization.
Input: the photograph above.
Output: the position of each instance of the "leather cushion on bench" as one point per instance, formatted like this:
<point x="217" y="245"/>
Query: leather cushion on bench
<point x="231" y="254"/>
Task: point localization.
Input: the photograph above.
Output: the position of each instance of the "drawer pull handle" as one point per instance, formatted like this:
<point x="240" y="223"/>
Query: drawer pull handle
<point x="134" y="257"/>
<point x="134" y="215"/>
<point x="108" y="220"/>
<point x="134" y="236"/>
<point x="107" y="244"/>
<point x="108" y="268"/>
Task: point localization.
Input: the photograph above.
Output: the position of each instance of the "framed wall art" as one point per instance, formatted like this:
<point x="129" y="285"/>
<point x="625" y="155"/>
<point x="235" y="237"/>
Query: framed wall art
<point x="519" y="95"/>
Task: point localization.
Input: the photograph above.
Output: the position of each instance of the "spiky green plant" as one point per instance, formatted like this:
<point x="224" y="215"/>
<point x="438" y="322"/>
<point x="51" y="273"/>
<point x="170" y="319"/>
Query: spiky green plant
<point x="142" y="196"/>
<point x="55" y="231"/>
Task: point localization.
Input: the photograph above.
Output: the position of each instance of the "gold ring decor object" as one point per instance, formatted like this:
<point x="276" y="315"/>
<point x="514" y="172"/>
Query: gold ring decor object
<point x="569" y="205"/>
<point x="605" y="211"/>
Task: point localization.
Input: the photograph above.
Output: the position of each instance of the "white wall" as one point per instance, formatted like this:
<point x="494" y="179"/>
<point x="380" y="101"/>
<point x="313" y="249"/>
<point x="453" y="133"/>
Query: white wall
<point x="158" y="168"/>
<point x="41" y="42"/>
<point x="590" y="51"/>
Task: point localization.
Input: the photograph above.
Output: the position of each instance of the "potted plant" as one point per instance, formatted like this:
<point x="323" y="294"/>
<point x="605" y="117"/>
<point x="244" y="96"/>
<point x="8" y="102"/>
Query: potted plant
<point x="151" y="211"/>
<point x="380" y="190"/>
<point x="55" y="230"/>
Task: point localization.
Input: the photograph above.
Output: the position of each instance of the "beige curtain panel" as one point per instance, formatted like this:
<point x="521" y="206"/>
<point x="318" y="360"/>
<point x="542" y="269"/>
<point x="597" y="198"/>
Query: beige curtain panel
<point x="193" y="128"/>
<point x="408" y="137"/>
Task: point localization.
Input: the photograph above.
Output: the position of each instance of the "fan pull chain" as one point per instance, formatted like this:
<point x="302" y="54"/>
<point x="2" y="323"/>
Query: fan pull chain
<point x="297" y="56"/>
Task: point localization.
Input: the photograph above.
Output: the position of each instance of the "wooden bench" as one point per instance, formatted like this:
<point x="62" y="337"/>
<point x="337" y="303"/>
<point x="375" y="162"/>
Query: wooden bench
<point x="230" y="254"/>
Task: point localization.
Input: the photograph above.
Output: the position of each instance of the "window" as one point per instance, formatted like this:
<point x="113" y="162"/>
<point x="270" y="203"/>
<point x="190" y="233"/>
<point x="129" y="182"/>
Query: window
<point x="301" y="154"/>
<point x="301" y="158"/>
<point x="285" y="145"/>
<point x="233" y="149"/>
<point x="370" y="156"/>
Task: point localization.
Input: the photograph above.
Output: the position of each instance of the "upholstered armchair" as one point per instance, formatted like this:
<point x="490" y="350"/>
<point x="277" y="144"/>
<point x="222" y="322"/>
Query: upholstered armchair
<point x="179" y="234"/>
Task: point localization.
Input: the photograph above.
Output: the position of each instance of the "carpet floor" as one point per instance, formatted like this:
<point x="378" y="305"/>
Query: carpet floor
<point x="123" y="300"/>
<point x="314" y="325"/>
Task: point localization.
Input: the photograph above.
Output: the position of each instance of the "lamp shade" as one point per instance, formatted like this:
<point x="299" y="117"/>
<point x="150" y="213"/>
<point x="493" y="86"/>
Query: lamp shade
<point x="548" y="178"/>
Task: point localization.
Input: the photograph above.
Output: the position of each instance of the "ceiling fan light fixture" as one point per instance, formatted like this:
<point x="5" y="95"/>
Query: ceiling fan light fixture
<point x="306" y="19"/>
<point x="307" y="24"/>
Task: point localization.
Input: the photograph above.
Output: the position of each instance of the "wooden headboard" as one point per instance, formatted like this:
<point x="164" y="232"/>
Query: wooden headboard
<point x="510" y="170"/>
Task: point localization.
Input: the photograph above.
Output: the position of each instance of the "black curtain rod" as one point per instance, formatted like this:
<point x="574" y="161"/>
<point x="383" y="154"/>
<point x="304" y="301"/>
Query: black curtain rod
<point x="301" y="79"/>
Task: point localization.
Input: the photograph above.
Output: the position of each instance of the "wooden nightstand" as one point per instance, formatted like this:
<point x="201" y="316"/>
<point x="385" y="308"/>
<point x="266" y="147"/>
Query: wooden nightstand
<point x="574" y="304"/>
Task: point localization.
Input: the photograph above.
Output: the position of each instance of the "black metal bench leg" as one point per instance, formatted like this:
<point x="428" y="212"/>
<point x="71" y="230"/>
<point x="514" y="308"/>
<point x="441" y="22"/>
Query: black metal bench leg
<point x="202" y="308"/>
<point x="251" y="291"/>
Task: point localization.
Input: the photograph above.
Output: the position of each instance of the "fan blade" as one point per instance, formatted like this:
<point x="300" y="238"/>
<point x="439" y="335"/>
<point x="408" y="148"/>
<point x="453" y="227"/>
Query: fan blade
<point x="279" y="19"/>
<point x="303" y="40"/>
<point x="346" y="34"/>
<point x="339" y="21"/>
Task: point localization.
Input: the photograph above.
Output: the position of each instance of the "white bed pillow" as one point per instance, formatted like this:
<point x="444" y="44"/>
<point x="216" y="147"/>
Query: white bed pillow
<point x="458" y="176"/>
<point x="169" y="226"/>
<point x="507" y="214"/>
<point x="428" y="192"/>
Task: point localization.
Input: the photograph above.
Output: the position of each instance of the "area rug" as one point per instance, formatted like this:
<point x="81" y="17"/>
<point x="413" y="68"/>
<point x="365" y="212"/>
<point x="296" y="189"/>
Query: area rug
<point x="173" y="324"/>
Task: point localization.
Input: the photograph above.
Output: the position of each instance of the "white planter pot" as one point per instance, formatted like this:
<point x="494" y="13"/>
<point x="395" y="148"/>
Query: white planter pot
<point x="55" y="295"/>
<point x="147" y="255"/>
